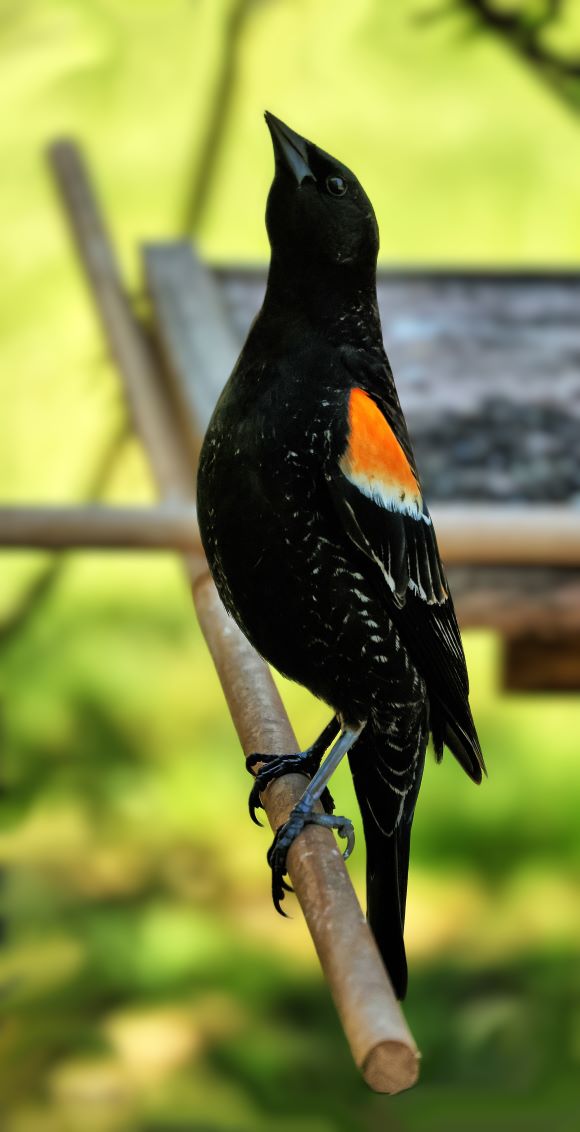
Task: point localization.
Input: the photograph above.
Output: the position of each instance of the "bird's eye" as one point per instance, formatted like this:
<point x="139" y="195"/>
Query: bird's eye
<point x="336" y="186"/>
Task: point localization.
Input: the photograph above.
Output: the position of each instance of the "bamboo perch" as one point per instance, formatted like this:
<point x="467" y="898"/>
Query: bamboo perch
<point x="468" y="536"/>
<point x="379" y="1038"/>
<point x="380" y="1041"/>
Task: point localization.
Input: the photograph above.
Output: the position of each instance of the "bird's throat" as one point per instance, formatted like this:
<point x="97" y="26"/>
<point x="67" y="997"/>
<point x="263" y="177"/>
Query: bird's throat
<point x="338" y="302"/>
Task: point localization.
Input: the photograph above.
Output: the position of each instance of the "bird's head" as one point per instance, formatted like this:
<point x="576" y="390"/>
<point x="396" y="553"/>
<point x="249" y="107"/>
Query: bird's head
<point x="318" y="215"/>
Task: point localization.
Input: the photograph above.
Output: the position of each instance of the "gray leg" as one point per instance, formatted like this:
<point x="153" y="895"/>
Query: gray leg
<point x="304" y="814"/>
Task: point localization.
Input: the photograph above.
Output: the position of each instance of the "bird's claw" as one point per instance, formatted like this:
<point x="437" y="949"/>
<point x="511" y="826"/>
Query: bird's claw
<point x="254" y="802"/>
<point x="275" y="766"/>
<point x="287" y="833"/>
<point x="343" y="827"/>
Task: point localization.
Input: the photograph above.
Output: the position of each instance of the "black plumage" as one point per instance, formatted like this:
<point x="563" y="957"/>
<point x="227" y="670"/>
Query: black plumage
<point x="315" y="527"/>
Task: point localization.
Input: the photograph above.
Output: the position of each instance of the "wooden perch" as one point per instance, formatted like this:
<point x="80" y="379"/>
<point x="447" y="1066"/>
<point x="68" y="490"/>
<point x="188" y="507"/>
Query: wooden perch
<point x="380" y="1040"/>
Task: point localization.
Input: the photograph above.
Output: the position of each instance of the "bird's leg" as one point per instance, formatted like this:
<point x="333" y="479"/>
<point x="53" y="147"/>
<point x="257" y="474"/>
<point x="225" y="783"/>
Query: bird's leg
<point x="305" y="814"/>
<point x="303" y="762"/>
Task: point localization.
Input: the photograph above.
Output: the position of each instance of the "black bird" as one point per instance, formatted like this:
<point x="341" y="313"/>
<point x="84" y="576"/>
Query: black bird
<point x="318" y="536"/>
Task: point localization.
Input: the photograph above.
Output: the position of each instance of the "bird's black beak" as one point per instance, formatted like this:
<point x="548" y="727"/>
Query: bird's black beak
<point x="289" y="149"/>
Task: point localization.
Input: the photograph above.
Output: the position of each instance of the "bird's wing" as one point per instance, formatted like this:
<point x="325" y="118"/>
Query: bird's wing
<point x="377" y="493"/>
<point x="380" y="501"/>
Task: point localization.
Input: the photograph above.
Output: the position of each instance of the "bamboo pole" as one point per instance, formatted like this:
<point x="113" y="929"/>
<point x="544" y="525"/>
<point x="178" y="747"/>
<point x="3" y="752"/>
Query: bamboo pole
<point x="380" y="1040"/>
<point x="468" y="536"/>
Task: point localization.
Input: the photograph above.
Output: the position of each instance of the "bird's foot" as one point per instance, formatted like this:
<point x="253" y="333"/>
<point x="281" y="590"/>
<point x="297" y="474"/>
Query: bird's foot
<point x="275" y="766"/>
<point x="287" y="833"/>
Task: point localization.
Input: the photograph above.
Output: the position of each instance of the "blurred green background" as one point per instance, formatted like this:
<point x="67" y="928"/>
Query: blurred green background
<point x="146" y="982"/>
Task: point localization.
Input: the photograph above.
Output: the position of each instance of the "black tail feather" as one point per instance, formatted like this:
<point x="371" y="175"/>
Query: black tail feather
<point x="387" y="852"/>
<point x="387" y="869"/>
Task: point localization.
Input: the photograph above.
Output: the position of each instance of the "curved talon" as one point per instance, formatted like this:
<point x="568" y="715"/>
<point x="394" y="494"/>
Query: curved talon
<point x="286" y="835"/>
<point x="343" y="827"/>
<point x="346" y="832"/>
<point x="279" y="889"/>
<point x="254" y="803"/>
<point x="277" y="853"/>
<point x="277" y="897"/>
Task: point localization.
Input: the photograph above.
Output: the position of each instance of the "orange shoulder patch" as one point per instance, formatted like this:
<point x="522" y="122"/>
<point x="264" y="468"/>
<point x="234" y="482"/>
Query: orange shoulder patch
<point x="374" y="460"/>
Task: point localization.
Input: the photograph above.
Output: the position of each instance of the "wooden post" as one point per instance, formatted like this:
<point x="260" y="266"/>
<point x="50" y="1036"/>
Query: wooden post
<point x="125" y="340"/>
<point x="196" y="341"/>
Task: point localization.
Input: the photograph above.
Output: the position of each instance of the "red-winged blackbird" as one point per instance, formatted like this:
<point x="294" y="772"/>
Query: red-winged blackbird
<point x="317" y="534"/>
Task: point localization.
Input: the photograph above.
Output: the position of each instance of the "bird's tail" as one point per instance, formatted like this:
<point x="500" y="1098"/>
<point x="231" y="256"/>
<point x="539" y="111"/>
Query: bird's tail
<point x="387" y="818"/>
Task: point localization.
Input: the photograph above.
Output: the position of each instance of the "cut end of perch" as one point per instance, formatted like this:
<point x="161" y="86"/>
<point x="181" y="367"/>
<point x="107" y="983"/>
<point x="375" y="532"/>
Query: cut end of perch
<point x="391" y="1067"/>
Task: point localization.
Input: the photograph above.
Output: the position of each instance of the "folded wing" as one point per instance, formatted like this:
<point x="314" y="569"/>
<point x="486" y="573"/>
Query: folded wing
<point x="378" y="497"/>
